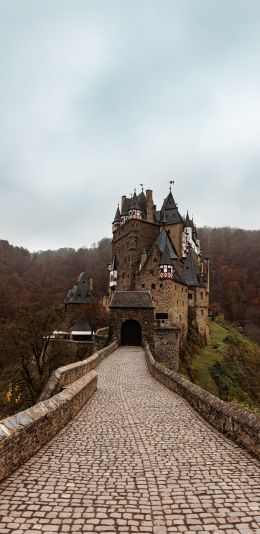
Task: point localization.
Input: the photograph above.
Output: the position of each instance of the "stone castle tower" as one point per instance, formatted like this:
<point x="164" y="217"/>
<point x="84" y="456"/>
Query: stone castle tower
<point x="157" y="274"/>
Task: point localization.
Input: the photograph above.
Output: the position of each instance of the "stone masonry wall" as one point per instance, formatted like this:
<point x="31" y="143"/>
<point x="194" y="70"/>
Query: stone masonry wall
<point x="166" y="346"/>
<point x="240" y="425"/>
<point x="145" y="317"/>
<point x="23" y="434"/>
<point x="129" y="241"/>
<point x="168" y="296"/>
<point x="63" y="376"/>
<point x="201" y="301"/>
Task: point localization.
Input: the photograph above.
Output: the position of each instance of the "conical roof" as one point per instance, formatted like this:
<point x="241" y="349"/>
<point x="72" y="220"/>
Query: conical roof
<point x="117" y="215"/>
<point x="165" y="257"/>
<point x="191" y="272"/>
<point x="188" y="222"/>
<point x="164" y="243"/>
<point x="142" y="199"/>
<point x="134" y="205"/>
<point x="81" y="292"/>
<point x="170" y="211"/>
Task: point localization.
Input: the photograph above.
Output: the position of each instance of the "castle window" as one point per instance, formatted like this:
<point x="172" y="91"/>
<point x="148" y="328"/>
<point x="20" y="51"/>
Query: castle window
<point x="151" y="271"/>
<point x="177" y="303"/>
<point x="161" y="315"/>
<point x="161" y="285"/>
<point x="202" y="312"/>
<point x="201" y="295"/>
<point x="190" y="296"/>
<point x="153" y="286"/>
<point x="143" y="285"/>
<point x="155" y="259"/>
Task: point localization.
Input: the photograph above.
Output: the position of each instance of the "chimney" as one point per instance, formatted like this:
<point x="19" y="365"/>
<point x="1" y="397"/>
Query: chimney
<point x="122" y="202"/>
<point x="91" y="284"/>
<point x="149" y="205"/>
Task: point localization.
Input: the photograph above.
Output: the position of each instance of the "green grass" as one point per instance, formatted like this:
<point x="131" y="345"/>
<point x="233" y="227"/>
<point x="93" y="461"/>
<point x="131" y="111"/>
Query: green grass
<point x="229" y="366"/>
<point x="208" y="355"/>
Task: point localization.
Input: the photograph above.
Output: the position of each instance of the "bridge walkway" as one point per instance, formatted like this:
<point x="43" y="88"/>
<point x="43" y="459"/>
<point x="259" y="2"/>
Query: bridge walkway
<point x="137" y="458"/>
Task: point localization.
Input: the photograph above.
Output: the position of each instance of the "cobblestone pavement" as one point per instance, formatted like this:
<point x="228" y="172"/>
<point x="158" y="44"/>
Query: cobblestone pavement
<point x="136" y="459"/>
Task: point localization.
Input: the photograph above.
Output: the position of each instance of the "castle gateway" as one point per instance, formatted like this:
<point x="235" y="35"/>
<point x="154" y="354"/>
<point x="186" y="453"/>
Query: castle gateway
<point x="157" y="275"/>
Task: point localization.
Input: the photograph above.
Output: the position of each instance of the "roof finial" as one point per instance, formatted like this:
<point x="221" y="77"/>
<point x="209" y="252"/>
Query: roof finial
<point x="142" y="186"/>
<point x="171" y="182"/>
<point x="135" y="191"/>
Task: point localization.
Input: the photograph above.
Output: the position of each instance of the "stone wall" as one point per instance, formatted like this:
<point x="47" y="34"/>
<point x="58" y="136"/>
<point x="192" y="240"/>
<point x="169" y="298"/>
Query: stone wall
<point x="201" y="302"/>
<point x="129" y="241"/>
<point x="145" y="317"/>
<point x="63" y="376"/>
<point x="168" y="296"/>
<point x="23" y="434"/>
<point x="166" y="346"/>
<point x="240" y="425"/>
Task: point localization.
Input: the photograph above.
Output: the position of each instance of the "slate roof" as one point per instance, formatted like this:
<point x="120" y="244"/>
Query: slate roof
<point x="117" y="215"/>
<point x="164" y="242"/>
<point x="134" y="205"/>
<point x="142" y="199"/>
<point x="188" y="222"/>
<point x="80" y="293"/>
<point x="191" y="273"/>
<point x="170" y="211"/>
<point x="132" y="299"/>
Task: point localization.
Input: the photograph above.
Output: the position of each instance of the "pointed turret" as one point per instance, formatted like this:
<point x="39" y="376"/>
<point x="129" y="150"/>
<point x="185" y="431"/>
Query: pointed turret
<point x="81" y="292"/>
<point x="188" y="223"/>
<point x="117" y="219"/>
<point x="191" y="271"/>
<point x="170" y="210"/>
<point x="134" y="211"/>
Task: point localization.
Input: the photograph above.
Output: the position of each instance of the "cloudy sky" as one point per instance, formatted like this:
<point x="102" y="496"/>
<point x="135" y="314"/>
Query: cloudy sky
<point x="98" y="96"/>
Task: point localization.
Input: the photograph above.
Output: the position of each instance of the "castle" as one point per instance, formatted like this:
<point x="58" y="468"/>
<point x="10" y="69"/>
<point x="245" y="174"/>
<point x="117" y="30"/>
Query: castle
<point x="157" y="275"/>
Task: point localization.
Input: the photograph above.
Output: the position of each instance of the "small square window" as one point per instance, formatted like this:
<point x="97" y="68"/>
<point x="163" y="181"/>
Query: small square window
<point x="153" y="286"/>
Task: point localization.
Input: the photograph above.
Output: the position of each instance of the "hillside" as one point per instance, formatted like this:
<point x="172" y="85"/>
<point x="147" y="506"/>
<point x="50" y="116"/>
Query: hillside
<point x="47" y="275"/>
<point x="235" y="275"/>
<point x="229" y="367"/>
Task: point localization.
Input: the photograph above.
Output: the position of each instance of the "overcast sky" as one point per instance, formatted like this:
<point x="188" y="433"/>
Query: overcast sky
<point x="98" y="96"/>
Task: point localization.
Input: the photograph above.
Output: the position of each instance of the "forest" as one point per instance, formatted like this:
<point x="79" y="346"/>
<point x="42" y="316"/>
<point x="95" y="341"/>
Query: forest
<point x="32" y="291"/>
<point x="46" y="276"/>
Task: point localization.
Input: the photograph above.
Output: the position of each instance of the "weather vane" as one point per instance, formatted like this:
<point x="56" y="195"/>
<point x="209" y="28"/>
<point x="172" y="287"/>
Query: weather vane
<point x="171" y="182"/>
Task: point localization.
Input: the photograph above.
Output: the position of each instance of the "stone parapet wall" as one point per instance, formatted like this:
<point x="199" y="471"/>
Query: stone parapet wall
<point x="23" y="434"/>
<point x="240" y="425"/>
<point x="63" y="376"/>
<point x="166" y="346"/>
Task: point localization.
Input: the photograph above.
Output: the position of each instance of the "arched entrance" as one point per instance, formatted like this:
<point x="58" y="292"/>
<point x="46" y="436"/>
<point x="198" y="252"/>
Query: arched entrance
<point x="131" y="333"/>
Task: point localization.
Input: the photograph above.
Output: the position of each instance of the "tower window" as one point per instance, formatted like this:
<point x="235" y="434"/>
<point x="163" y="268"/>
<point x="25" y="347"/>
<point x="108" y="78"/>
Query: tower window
<point x="161" y="315"/>
<point x="190" y="296"/>
<point x="151" y="271"/>
<point x="153" y="286"/>
<point x="143" y="285"/>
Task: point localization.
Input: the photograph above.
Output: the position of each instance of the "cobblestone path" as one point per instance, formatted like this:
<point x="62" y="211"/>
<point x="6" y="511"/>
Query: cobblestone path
<point x="136" y="459"/>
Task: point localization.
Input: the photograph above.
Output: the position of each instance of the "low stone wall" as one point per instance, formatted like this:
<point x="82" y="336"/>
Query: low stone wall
<point x="23" y="434"/>
<point x="240" y="425"/>
<point x="68" y="374"/>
